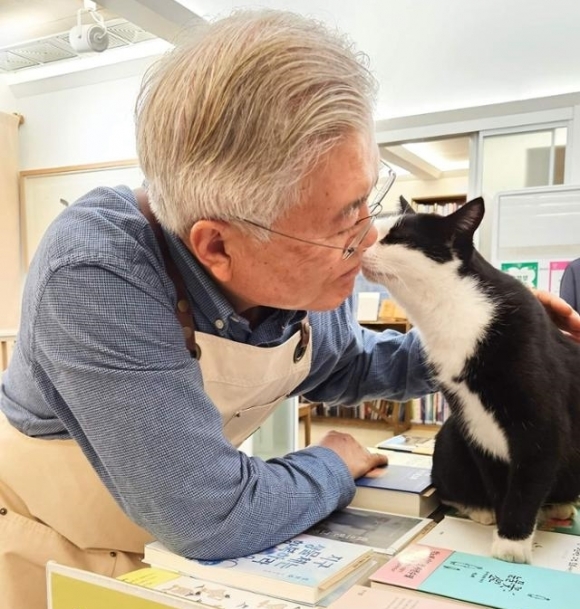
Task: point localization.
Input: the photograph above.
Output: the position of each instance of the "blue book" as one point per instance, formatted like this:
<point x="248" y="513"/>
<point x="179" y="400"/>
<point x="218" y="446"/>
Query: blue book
<point x="304" y="569"/>
<point x="478" y="579"/>
<point x="401" y="489"/>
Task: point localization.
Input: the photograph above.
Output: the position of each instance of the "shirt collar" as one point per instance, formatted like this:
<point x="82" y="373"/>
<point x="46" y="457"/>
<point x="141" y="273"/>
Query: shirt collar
<point x="202" y="288"/>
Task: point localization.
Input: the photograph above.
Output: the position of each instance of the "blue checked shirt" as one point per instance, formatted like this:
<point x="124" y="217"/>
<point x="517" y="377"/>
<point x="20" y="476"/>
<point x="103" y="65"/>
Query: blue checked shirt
<point x="100" y="357"/>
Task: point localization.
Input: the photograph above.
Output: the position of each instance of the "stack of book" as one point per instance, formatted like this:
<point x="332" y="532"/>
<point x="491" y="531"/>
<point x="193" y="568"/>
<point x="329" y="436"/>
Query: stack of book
<point x="402" y="487"/>
<point x="306" y="569"/>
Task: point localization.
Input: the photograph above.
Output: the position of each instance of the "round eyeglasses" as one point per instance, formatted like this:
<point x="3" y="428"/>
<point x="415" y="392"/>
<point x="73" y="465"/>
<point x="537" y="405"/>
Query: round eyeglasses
<point x="385" y="181"/>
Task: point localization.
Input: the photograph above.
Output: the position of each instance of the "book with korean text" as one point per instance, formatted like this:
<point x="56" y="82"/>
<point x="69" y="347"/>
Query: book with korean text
<point x="398" y="489"/>
<point x="385" y="533"/>
<point x="303" y="569"/>
<point x="477" y="579"/>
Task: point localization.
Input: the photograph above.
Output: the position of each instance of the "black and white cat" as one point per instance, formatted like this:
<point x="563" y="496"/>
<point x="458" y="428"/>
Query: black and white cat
<point x="511" y="447"/>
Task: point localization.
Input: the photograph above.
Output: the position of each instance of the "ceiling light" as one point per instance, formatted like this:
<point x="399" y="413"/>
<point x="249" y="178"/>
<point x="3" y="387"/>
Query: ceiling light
<point x="89" y="37"/>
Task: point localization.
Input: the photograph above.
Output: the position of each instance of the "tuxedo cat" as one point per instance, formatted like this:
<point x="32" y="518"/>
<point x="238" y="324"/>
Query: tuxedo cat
<point x="511" y="445"/>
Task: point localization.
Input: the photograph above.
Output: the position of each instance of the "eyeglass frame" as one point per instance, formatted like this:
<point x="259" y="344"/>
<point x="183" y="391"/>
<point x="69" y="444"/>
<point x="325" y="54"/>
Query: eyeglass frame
<point x="375" y="209"/>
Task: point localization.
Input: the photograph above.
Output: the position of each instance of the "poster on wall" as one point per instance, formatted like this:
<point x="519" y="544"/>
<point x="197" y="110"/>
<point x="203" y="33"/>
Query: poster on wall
<point x="555" y="272"/>
<point x="526" y="272"/>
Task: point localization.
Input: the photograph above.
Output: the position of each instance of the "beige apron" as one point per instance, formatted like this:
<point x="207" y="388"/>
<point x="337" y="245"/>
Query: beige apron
<point x="53" y="506"/>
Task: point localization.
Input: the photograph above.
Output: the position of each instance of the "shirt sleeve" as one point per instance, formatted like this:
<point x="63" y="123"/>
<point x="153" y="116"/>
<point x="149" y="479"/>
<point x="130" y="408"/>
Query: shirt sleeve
<point x="352" y="364"/>
<point x="111" y="361"/>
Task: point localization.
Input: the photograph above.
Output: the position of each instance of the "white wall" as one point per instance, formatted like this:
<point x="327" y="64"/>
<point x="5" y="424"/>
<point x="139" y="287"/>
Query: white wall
<point x="75" y="126"/>
<point x="433" y="55"/>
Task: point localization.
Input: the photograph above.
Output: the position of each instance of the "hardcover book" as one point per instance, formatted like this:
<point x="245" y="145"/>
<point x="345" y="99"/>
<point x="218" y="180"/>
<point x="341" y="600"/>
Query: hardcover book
<point x="398" y="489"/>
<point x="409" y="442"/>
<point x="551" y="550"/>
<point x="477" y="579"/>
<point x="384" y="533"/>
<point x="304" y="569"/>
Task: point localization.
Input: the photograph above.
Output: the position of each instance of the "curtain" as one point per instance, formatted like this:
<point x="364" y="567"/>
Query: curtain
<point x="10" y="273"/>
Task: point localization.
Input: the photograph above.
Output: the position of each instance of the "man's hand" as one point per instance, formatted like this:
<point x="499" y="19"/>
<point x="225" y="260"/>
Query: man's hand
<point x="356" y="457"/>
<point x="562" y="314"/>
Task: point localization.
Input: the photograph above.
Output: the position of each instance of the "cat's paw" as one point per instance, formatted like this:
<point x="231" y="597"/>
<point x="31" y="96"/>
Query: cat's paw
<point x="481" y="515"/>
<point x="512" y="550"/>
<point x="558" y="511"/>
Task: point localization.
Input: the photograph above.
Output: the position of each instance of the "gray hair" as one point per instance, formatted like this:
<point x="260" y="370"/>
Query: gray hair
<point x="230" y="124"/>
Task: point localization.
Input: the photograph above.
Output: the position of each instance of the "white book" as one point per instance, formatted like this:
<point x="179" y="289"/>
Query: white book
<point x="70" y="588"/>
<point x="551" y="550"/>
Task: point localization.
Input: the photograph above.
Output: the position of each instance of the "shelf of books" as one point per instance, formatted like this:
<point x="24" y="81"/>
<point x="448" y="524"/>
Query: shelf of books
<point x="394" y="416"/>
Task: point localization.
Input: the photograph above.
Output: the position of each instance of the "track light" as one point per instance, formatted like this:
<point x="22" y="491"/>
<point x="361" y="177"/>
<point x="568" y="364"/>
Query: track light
<point x="89" y="37"/>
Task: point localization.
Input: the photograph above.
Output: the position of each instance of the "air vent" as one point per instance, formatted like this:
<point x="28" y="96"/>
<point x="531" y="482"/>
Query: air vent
<point x="57" y="48"/>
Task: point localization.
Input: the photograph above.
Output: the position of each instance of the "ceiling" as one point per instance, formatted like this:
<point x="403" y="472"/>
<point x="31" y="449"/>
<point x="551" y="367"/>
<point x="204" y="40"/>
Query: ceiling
<point x="34" y="33"/>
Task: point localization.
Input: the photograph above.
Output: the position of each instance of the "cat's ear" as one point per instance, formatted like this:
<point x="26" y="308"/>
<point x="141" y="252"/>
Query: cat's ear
<point x="405" y="206"/>
<point x="467" y="218"/>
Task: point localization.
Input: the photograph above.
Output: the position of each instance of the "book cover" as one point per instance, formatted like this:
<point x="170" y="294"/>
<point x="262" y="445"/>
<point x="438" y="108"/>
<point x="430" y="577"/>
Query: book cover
<point x="397" y="478"/>
<point x="550" y="550"/>
<point x="201" y="593"/>
<point x="399" y="457"/>
<point x="478" y="579"/>
<point x="70" y="588"/>
<point x="303" y="569"/>
<point x="409" y="442"/>
<point x="396" y="489"/>
<point x="359" y="597"/>
<point x="385" y="533"/>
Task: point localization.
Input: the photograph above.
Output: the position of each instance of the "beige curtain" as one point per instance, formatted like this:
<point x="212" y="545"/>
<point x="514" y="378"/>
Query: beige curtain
<point x="10" y="276"/>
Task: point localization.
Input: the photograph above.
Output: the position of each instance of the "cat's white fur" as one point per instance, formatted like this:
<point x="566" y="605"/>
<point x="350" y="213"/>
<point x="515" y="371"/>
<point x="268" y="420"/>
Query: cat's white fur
<point x="452" y="314"/>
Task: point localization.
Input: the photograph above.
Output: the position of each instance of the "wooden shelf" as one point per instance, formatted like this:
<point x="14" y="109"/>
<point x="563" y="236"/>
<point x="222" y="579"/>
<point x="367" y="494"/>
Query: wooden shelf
<point x="391" y="420"/>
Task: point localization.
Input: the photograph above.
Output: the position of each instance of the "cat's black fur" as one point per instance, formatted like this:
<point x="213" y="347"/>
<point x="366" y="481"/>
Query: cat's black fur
<point x="522" y="370"/>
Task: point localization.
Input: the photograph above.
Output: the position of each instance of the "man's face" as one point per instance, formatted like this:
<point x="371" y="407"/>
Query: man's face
<point x="288" y="274"/>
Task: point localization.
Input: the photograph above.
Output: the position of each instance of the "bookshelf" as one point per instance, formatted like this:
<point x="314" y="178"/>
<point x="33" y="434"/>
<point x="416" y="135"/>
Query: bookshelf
<point x="386" y="414"/>
<point x="442" y="205"/>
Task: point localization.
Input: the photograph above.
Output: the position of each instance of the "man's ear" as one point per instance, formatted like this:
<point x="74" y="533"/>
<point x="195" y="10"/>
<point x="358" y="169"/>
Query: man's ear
<point x="207" y="241"/>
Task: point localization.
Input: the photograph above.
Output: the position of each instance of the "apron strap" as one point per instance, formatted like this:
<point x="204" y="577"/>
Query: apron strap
<point x="183" y="308"/>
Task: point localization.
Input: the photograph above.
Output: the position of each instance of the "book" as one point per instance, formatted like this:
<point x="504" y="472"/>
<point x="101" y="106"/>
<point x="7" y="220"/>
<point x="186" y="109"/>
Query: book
<point x="385" y="533"/>
<point x="359" y="597"/>
<point x="303" y="569"/>
<point x="398" y="489"/>
<point x="397" y="457"/>
<point x="70" y="588"/>
<point x="477" y="579"/>
<point x="200" y="593"/>
<point x="409" y="442"/>
<point x="550" y="549"/>
<point x="569" y="526"/>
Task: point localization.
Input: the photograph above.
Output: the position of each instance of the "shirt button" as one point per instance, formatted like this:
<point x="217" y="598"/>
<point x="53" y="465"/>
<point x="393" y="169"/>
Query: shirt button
<point x="219" y="324"/>
<point x="183" y="305"/>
